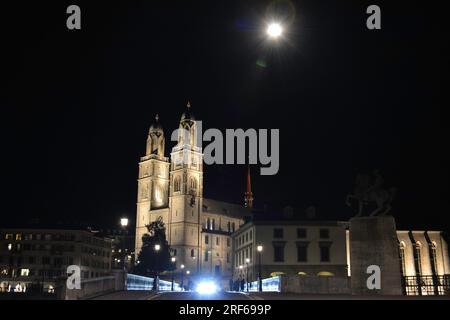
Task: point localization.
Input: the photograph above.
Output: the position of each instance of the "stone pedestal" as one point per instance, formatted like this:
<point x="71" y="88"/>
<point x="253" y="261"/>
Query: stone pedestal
<point x="373" y="241"/>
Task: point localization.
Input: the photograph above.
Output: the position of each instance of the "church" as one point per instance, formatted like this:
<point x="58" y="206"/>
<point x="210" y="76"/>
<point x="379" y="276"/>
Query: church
<point x="198" y="229"/>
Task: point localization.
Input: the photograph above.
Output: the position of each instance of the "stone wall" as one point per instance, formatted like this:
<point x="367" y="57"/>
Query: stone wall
<point x="93" y="287"/>
<point x="315" y="285"/>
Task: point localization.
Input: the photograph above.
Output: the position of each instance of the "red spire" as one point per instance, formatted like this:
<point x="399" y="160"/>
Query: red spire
<point x="249" y="194"/>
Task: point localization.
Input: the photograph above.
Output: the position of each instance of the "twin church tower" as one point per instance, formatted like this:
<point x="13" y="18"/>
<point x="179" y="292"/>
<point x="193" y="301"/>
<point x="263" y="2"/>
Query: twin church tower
<point x="197" y="229"/>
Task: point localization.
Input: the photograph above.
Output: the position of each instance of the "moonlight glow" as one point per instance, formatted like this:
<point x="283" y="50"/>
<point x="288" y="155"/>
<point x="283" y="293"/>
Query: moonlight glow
<point x="274" y="30"/>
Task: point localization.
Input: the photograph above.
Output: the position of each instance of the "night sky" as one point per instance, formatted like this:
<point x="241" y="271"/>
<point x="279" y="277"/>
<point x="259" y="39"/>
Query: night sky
<point x="77" y="105"/>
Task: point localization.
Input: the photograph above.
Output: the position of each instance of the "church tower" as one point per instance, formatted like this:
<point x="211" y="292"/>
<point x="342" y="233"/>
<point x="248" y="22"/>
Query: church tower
<point x="186" y="194"/>
<point x="153" y="181"/>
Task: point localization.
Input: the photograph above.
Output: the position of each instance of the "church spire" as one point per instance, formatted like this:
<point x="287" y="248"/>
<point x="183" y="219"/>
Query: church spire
<point x="248" y="194"/>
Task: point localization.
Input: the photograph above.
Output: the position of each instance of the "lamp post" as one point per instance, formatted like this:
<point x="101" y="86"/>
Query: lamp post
<point x="188" y="273"/>
<point x="173" y="270"/>
<point x="259" y="249"/>
<point x="156" y="280"/>
<point x="247" y="261"/>
<point x="240" y="273"/>
<point x="182" y="277"/>
<point x="124" y="224"/>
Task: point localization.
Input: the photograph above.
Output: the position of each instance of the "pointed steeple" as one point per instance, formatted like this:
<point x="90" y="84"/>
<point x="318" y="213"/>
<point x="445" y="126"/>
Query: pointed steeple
<point x="248" y="193"/>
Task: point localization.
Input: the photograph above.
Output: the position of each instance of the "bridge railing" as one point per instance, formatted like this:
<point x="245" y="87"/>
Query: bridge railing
<point x="136" y="282"/>
<point x="272" y="284"/>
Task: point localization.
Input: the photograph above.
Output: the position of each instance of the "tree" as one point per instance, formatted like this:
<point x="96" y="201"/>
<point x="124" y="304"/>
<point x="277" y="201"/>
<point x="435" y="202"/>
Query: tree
<point x="151" y="262"/>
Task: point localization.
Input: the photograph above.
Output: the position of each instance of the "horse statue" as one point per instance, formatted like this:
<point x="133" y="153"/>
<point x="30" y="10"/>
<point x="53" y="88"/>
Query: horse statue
<point x="369" y="193"/>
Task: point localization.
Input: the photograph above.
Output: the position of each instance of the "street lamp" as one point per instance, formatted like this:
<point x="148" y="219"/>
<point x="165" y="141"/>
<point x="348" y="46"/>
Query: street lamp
<point x="247" y="261"/>
<point x="156" y="280"/>
<point x="124" y="224"/>
<point x="173" y="270"/>
<point x="182" y="277"/>
<point x="259" y="249"/>
<point x="188" y="273"/>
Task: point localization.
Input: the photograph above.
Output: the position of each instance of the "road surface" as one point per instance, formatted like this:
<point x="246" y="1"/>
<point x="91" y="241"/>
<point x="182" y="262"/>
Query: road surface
<point x="149" y="295"/>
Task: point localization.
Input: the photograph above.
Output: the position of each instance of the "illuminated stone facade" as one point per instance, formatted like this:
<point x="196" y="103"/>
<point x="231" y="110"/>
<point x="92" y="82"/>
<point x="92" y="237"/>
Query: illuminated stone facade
<point x="199" y="230"/>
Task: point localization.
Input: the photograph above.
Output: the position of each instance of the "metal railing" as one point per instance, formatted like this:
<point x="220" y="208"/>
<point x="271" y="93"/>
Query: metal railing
<point x="268" y="285"/>
<point x="135" y="282"/>
<point x="426" y="285"/>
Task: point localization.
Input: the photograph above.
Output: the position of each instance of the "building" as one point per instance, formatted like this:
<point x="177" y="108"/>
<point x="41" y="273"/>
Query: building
<point x="289" y="247"/>
<point x="35" y="259"/>
<point x="322" y="248"/>
<point x="198" y="229"/>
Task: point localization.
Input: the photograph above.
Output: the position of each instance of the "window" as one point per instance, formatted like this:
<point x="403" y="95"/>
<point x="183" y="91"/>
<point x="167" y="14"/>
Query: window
<point x="45" y="260"/>
<point x="278" y="251"/>
<point x="233" y="227"/>
<point x="229" y="226"/>
<point x="418" y="258"/>
<point x="208" y="223"/>
<point x="278" y="233"/>
<point x="228" y="257"/>
<point x="193" y="185"/>
<point x="18" y="236"/>
<point x="174" y="252"/>
<point x="302" y="252"/>
<point x="433" y="257"/>
<point x="192" y="253"/>
<point x="324" y="233"/>
<point x="9" y="246"/>
<point x="206" y="255"/>
<point x="213" y="226"/>
<point x="301" y="233"/>
<point x="206" y="239"/>
<point x="246" y="237"/>
<point x="251" y="235"/>
<point x="24" y="272"/>
<point x="8" y="236"/>
<point x="324" y="253"/>
<point x="217" y="241"/>
<point x="177" y="185"/>
<point x="402" y="257"/>
<point x="228" y="242"/>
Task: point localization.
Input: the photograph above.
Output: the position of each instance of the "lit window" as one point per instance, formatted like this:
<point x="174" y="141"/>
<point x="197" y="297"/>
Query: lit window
<point x="9" y="246"/>
<point x="8" y="236"/>
<point x="24" y="272"/>
<point x="18" y="236"/>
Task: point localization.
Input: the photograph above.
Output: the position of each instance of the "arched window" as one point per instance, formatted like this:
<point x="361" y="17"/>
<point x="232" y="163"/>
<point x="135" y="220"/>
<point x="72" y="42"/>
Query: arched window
<point x="277" y="273"/>
<point x="433" y="247"/>
<point x="325" y="274"/>
<point x="402" y="257"/>
<point x="192" y="253"/>
<point x="193" y="185"/>
<point x="418" y="258"/>
<point x="177" y="185"/>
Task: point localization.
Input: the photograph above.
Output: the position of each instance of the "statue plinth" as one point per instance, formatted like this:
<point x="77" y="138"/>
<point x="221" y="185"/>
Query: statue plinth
<point x="373" y="241"/>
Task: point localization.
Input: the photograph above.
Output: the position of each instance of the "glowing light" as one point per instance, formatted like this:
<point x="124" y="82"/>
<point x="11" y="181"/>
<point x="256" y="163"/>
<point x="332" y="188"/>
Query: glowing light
<point x="173" y="259"/>
<point x="247" y="260"/>
<point x="274" y="30"/>
<point x="206" y="287"/>
<point x="124" y="222"/>
<point x="182" y="266"/>
<point x="157" y="247"/>
<point x="259" y="248"/>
